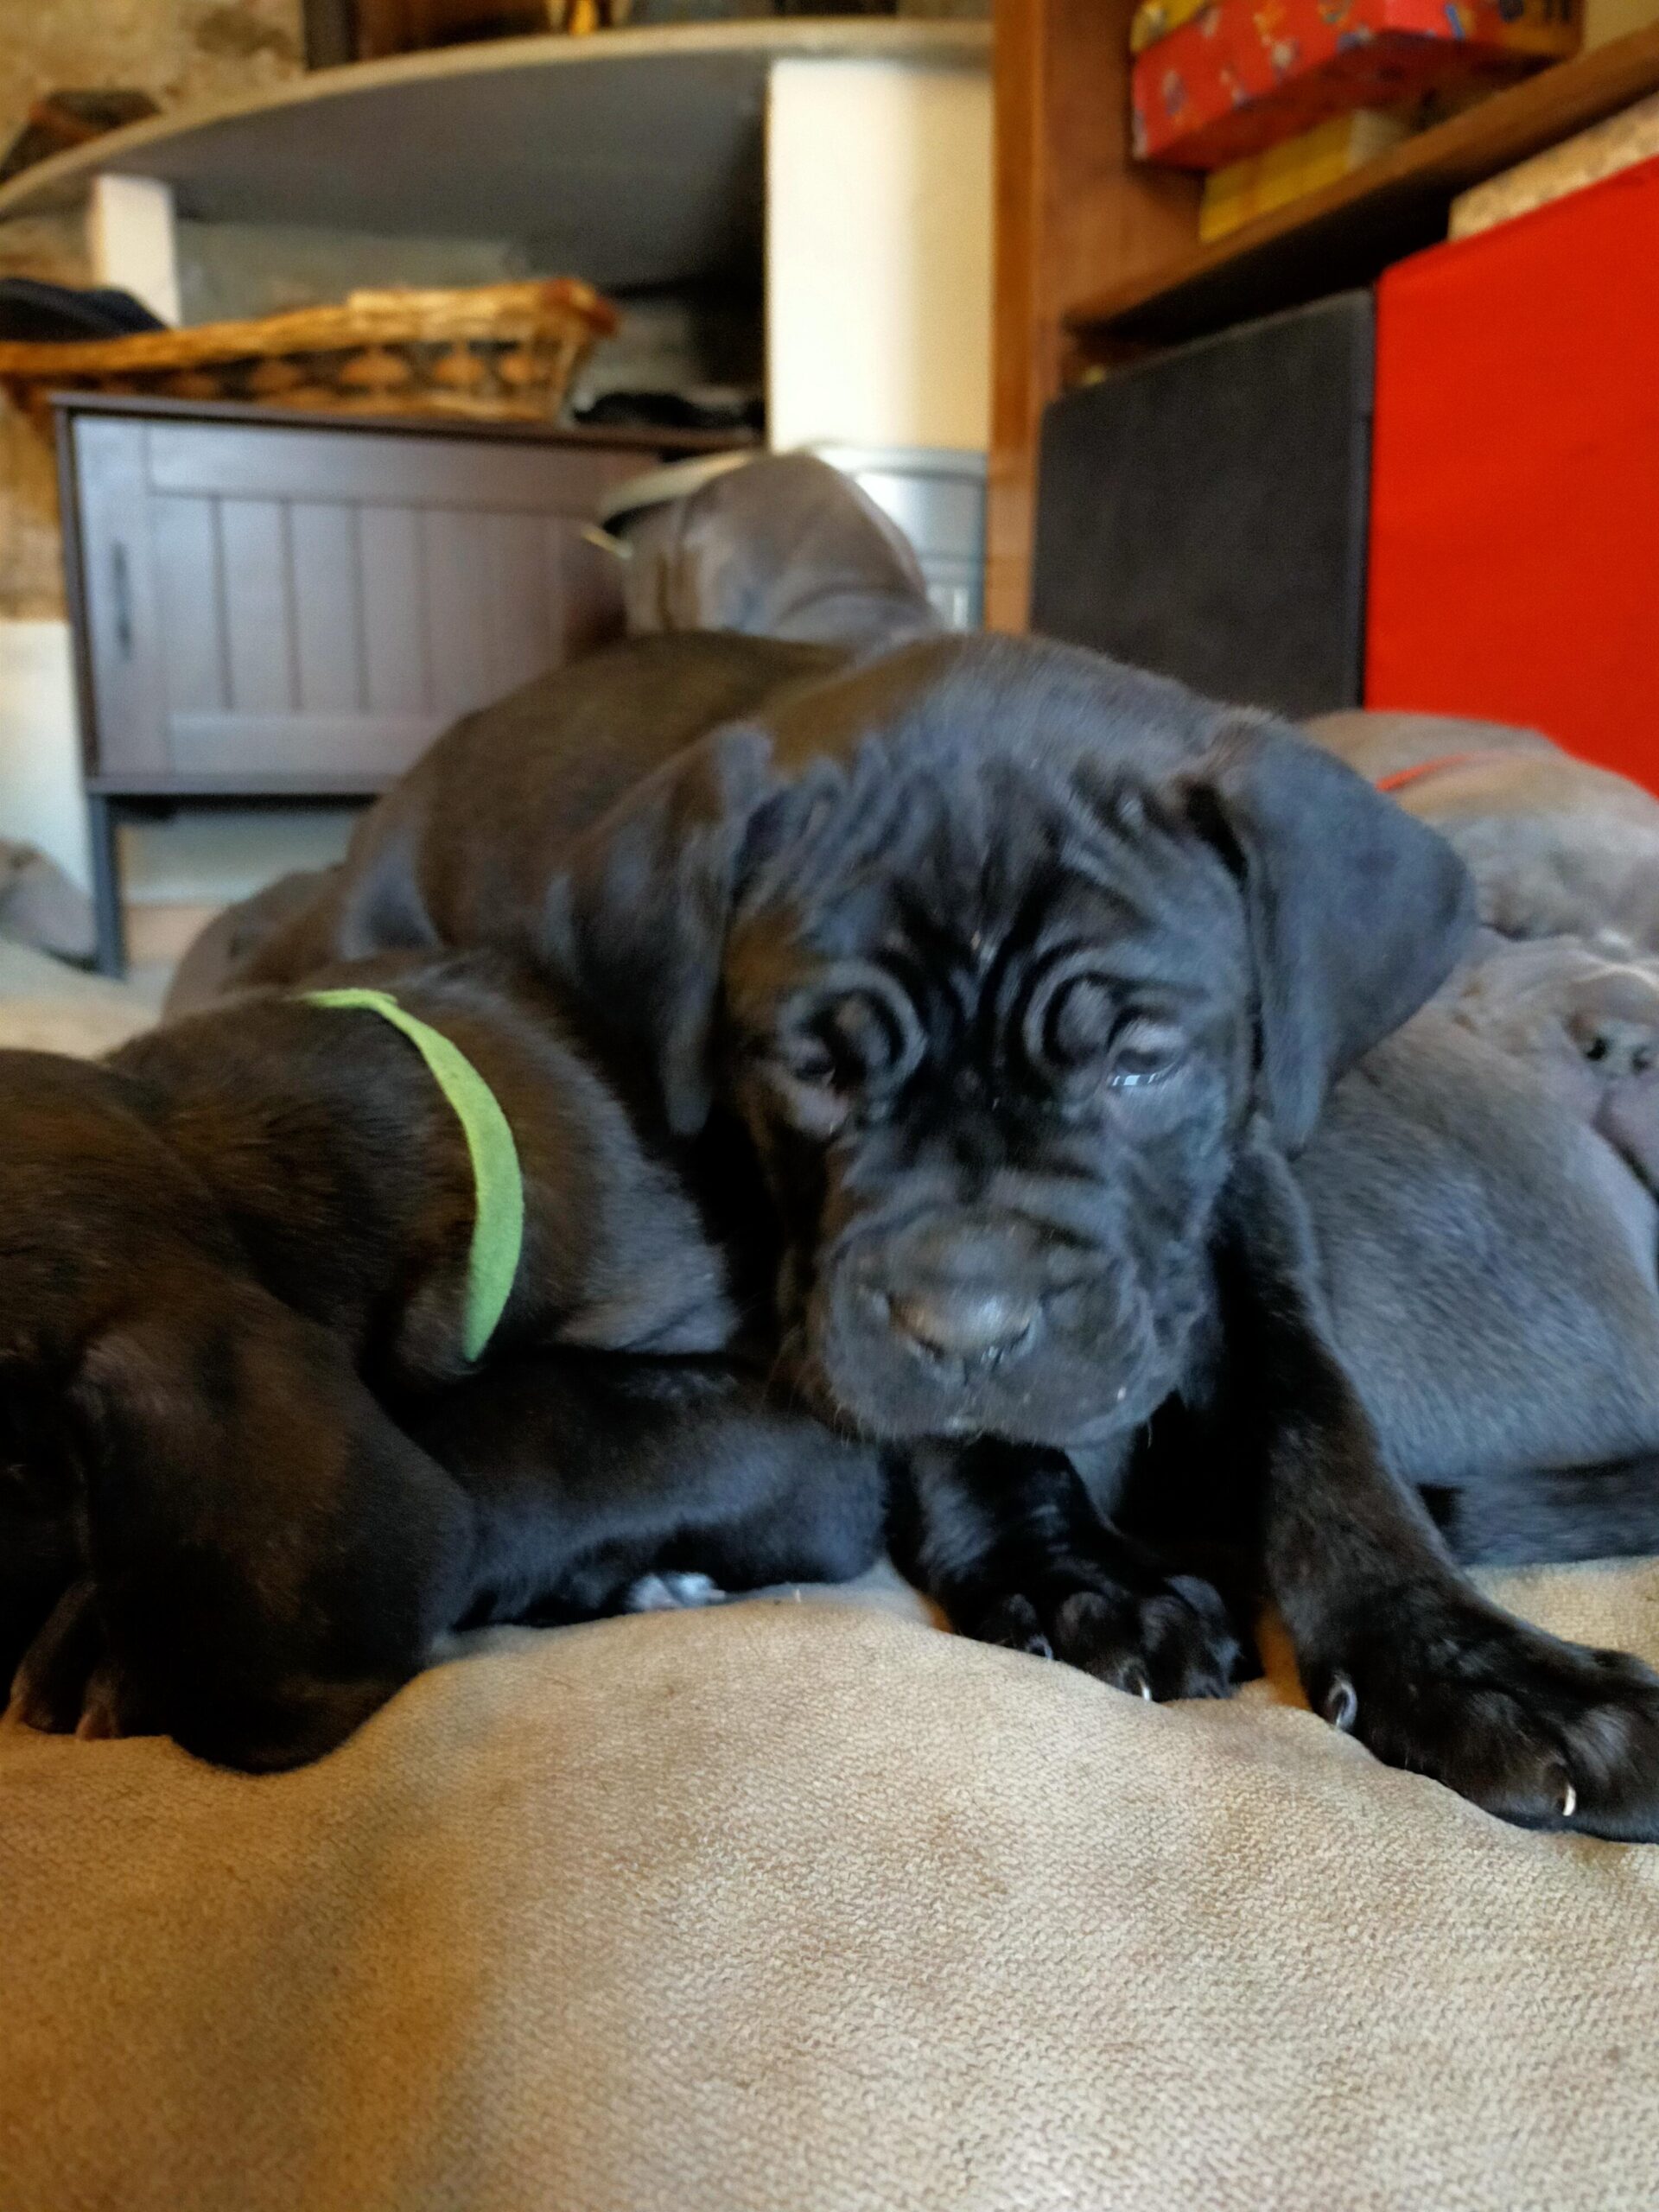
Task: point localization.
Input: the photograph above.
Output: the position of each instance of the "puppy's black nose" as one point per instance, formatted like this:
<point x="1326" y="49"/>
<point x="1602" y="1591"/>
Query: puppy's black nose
<point x="964" y="1321"/>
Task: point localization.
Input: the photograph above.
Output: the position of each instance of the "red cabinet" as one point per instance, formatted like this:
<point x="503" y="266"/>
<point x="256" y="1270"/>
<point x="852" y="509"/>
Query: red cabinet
<point x="1513" y="568"/>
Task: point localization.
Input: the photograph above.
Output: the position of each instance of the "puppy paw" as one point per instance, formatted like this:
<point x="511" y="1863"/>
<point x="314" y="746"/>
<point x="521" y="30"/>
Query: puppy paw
<point x="1175" y="1640"/>
<point x="671" y="1593"/>
<point x="67" y="1683"/>
<point x="1544" y="1733"/>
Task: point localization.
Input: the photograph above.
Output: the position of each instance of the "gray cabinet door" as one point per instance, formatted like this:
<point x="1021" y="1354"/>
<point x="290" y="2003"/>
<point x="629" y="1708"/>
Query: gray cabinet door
<point x="279" y="608"/>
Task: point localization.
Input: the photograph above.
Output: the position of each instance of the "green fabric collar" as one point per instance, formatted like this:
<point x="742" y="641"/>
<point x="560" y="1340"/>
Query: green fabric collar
<point x="497" y="1181"/>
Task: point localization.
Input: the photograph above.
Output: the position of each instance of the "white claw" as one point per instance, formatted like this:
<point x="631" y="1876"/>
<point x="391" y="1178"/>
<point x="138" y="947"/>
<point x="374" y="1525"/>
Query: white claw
<point x="1569" y="1802"/>
<point x="1146" y="1691"/>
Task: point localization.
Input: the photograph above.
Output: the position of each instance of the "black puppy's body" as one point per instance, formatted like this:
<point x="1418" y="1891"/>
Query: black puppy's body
<point x="459" y="852"/>
<point x="597" y="1473"/>
<point x="226" y="1253"/>
<point x="343" y="1174"/>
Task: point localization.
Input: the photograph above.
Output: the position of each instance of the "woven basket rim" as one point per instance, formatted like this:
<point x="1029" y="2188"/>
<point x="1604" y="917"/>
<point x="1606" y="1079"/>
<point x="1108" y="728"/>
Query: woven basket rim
<point x="507" y="314"/>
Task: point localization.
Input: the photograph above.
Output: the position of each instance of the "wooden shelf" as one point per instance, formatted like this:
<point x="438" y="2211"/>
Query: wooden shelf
<point x="1348" y="232"/>
<point x="632" y="158"/>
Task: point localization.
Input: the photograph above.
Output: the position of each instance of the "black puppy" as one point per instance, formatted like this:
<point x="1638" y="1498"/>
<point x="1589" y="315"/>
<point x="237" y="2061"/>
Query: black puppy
<point x="1022" y="973"/>
<point x="226" y="1254"/>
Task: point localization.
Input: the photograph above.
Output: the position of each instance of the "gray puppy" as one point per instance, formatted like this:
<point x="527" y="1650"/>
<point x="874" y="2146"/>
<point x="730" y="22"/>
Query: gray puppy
<point x="1484" y="1184"/>
<point x="1556" y="846"/>
<point x="781" y="546"/>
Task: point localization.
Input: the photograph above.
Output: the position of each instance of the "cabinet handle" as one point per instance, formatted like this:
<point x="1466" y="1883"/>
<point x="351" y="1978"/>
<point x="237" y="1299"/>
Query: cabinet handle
<point x="121" y="600"/>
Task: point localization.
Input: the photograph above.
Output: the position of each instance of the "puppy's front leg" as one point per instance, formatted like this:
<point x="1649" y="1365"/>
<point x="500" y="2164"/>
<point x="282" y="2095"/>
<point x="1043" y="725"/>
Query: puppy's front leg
<point x="1393" y="1642"/>
<point x="1006" y="1540"/>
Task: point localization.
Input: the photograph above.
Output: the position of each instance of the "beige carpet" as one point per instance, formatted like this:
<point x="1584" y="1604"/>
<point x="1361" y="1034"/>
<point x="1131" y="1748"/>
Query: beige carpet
<point x="799" y="1908"/>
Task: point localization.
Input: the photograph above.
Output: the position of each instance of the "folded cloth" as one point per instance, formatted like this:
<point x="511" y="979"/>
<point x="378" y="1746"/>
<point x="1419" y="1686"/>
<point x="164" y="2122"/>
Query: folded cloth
<point x="807" y="1908"/>
<point x="40" y="905"/>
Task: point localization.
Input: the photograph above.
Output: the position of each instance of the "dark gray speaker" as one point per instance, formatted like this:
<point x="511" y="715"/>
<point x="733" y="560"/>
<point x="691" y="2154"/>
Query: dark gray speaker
<point x="1204" y="513"/>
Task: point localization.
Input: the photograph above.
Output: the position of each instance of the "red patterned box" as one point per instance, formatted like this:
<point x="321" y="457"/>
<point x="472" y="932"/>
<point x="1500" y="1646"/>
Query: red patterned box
<point x="1243" y="74"/>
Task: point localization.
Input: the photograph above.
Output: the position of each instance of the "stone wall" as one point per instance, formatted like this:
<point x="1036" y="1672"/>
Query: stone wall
<point x="182" y="52"/>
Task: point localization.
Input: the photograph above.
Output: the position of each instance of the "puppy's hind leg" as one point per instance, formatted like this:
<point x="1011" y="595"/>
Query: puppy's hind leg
<point x="671" y="1593"/>
<point x="607" y="1483"/>
<point x="273" y="1558"/>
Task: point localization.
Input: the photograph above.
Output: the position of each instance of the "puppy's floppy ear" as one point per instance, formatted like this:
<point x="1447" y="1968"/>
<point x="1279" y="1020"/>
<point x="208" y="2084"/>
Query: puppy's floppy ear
<point x="1357" y="912"/>
<point x="638" y="918"/>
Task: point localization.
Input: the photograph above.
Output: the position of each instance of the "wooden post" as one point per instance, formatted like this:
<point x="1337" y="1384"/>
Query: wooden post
<point x="1072" y="213"/>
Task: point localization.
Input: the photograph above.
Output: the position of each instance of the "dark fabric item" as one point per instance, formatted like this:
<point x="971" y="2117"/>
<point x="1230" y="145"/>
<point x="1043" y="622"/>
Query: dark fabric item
<point x="1203" y="513"/>
<point x="673" y="411"/>
<point x="33" y="312"/>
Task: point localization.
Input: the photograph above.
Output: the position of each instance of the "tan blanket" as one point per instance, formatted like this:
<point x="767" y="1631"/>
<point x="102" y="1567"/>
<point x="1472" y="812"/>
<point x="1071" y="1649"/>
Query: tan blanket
<point x="809" y="1908"/>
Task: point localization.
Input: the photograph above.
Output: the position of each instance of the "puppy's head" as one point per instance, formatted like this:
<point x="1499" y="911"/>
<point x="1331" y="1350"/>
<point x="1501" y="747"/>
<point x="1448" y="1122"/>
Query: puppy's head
<point x="995" y="948"/>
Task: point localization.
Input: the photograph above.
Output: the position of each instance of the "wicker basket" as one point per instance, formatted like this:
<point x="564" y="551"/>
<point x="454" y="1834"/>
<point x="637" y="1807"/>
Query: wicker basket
<point x="500" y="353"/>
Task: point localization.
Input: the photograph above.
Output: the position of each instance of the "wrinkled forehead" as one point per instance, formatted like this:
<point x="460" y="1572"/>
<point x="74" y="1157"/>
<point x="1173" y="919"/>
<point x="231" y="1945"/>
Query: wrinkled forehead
<point x="974" y="869"/>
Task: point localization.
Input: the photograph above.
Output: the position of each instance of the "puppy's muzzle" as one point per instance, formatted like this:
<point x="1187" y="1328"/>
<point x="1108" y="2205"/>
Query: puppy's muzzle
<point x="958" y="1294"/>
<point x="966" y="1324"/>
<point x="955" y="1321"/>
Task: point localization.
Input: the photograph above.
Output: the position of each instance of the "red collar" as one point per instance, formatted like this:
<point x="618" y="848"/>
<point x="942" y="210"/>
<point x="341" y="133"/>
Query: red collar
<point x="1402" y="777"/>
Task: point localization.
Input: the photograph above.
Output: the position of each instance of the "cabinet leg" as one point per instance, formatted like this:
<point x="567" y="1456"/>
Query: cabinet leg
<point x="111" y="954"/>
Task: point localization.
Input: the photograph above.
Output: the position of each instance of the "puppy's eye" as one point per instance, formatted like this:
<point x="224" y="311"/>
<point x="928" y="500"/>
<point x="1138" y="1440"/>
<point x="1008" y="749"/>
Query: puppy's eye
<point x="809" y="1061"/>
<point x="801" y="1078"/>
<point x="1081" y="1015"/>
<point x="1143" y="1050"/>
<point x="853" y="1040"/>
<point x="865" y="1033"/>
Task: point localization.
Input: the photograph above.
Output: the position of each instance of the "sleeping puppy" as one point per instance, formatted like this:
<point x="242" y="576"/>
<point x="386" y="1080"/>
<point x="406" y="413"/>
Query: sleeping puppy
<point x="1485" y="1185"/>
<point x="1485" y="1189"/>
<point x="1556" y="846"/>
<point x="1022" y="973"/>
<point x="230" y="1250"/>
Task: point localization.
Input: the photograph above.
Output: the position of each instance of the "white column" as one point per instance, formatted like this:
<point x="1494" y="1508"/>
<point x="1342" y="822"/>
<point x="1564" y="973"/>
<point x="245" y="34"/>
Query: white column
<point x="878" y="254"/>
<point x="131" y="235"/>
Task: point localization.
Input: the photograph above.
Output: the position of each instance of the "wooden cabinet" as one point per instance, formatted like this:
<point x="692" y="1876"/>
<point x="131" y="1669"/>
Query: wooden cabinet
<point x="1098" y="257"/>
<point x="270" y="607"/>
